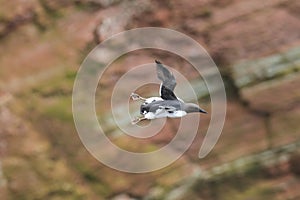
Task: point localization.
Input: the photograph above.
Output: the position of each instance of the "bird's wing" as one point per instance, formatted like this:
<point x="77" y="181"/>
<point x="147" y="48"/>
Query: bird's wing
<point x="168" y="82"/>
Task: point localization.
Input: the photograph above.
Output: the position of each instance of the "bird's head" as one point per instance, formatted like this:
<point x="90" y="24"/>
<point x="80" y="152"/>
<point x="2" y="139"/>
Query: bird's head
<point x="191" y="107"/>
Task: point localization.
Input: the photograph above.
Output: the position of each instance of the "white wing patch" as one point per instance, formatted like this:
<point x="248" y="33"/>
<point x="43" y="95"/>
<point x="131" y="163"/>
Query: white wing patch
<point x="159" y="113"/>
<point x="160" y="89"/>
<point x="180" y="100"/>
<point x="152" y="99"/>
<point x="178" y="113"/>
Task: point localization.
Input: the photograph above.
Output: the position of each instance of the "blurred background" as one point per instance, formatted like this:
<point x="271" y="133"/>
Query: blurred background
<point x="255" y="44"/>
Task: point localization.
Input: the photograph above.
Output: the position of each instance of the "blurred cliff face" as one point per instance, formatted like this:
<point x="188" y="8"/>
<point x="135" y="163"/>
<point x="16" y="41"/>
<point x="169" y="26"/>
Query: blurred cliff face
<point x="255" y="45"/>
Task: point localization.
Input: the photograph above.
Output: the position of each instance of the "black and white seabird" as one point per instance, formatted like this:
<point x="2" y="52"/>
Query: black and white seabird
<point x="168" y="104"/>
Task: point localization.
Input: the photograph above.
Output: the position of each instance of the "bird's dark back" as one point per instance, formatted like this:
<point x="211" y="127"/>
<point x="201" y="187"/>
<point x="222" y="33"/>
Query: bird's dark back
<point x="153" y="106"/>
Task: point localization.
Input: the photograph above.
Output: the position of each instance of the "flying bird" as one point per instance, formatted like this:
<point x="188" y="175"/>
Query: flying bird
<point x="168" y="104"/>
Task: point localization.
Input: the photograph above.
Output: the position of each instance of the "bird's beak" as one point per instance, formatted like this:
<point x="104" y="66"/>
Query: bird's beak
<point x="202" y="111"/>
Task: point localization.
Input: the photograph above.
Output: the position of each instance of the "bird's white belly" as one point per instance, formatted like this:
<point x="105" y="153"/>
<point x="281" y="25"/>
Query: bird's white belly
<point x="158" y="114"/>
<point x="162" y="113"/>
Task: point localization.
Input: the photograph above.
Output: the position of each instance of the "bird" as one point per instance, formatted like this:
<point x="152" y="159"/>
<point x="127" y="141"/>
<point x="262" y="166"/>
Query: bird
<point x="168" y="104"/>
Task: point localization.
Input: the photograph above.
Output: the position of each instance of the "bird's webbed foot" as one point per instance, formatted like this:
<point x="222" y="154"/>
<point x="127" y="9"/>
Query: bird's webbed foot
<point x="136" y="97"/>
<point x="137" y="120"/>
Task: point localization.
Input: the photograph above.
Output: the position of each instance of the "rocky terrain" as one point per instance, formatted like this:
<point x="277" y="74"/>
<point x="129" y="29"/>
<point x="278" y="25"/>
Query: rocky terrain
<point x="256" y="46"/>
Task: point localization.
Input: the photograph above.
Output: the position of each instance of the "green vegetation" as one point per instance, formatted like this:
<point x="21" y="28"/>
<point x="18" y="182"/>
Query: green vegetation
<point x="204" y="12"/>
<point x="60" y="109"/>
<point x="52" y="11"/>
<point x="56" y="93"/>
<point x="92" y="177"/>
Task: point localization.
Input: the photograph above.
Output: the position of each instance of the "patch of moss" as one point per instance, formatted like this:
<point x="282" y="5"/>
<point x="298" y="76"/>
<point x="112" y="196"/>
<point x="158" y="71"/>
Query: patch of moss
<point x="53" y="98"/>
<point x="53" y="13"/>
<point x="64" y="190"/>
<point x="92" y="177"/>
<point x="87" y="173"/>
<point x="61" y="109"/>
<point x="253" y="192"/>
<point x="236" y="185"/>
<point x="70" y="75"/>
<point x="88" y="5"/>
<point x="204" y="13"/>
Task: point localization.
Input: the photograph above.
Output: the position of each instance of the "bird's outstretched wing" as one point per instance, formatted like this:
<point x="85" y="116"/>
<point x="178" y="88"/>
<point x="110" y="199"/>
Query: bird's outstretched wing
<point x="168" y="82"/>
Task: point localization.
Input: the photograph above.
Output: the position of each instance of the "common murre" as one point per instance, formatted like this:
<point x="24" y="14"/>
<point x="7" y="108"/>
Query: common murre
<point x="168" y="104"/>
